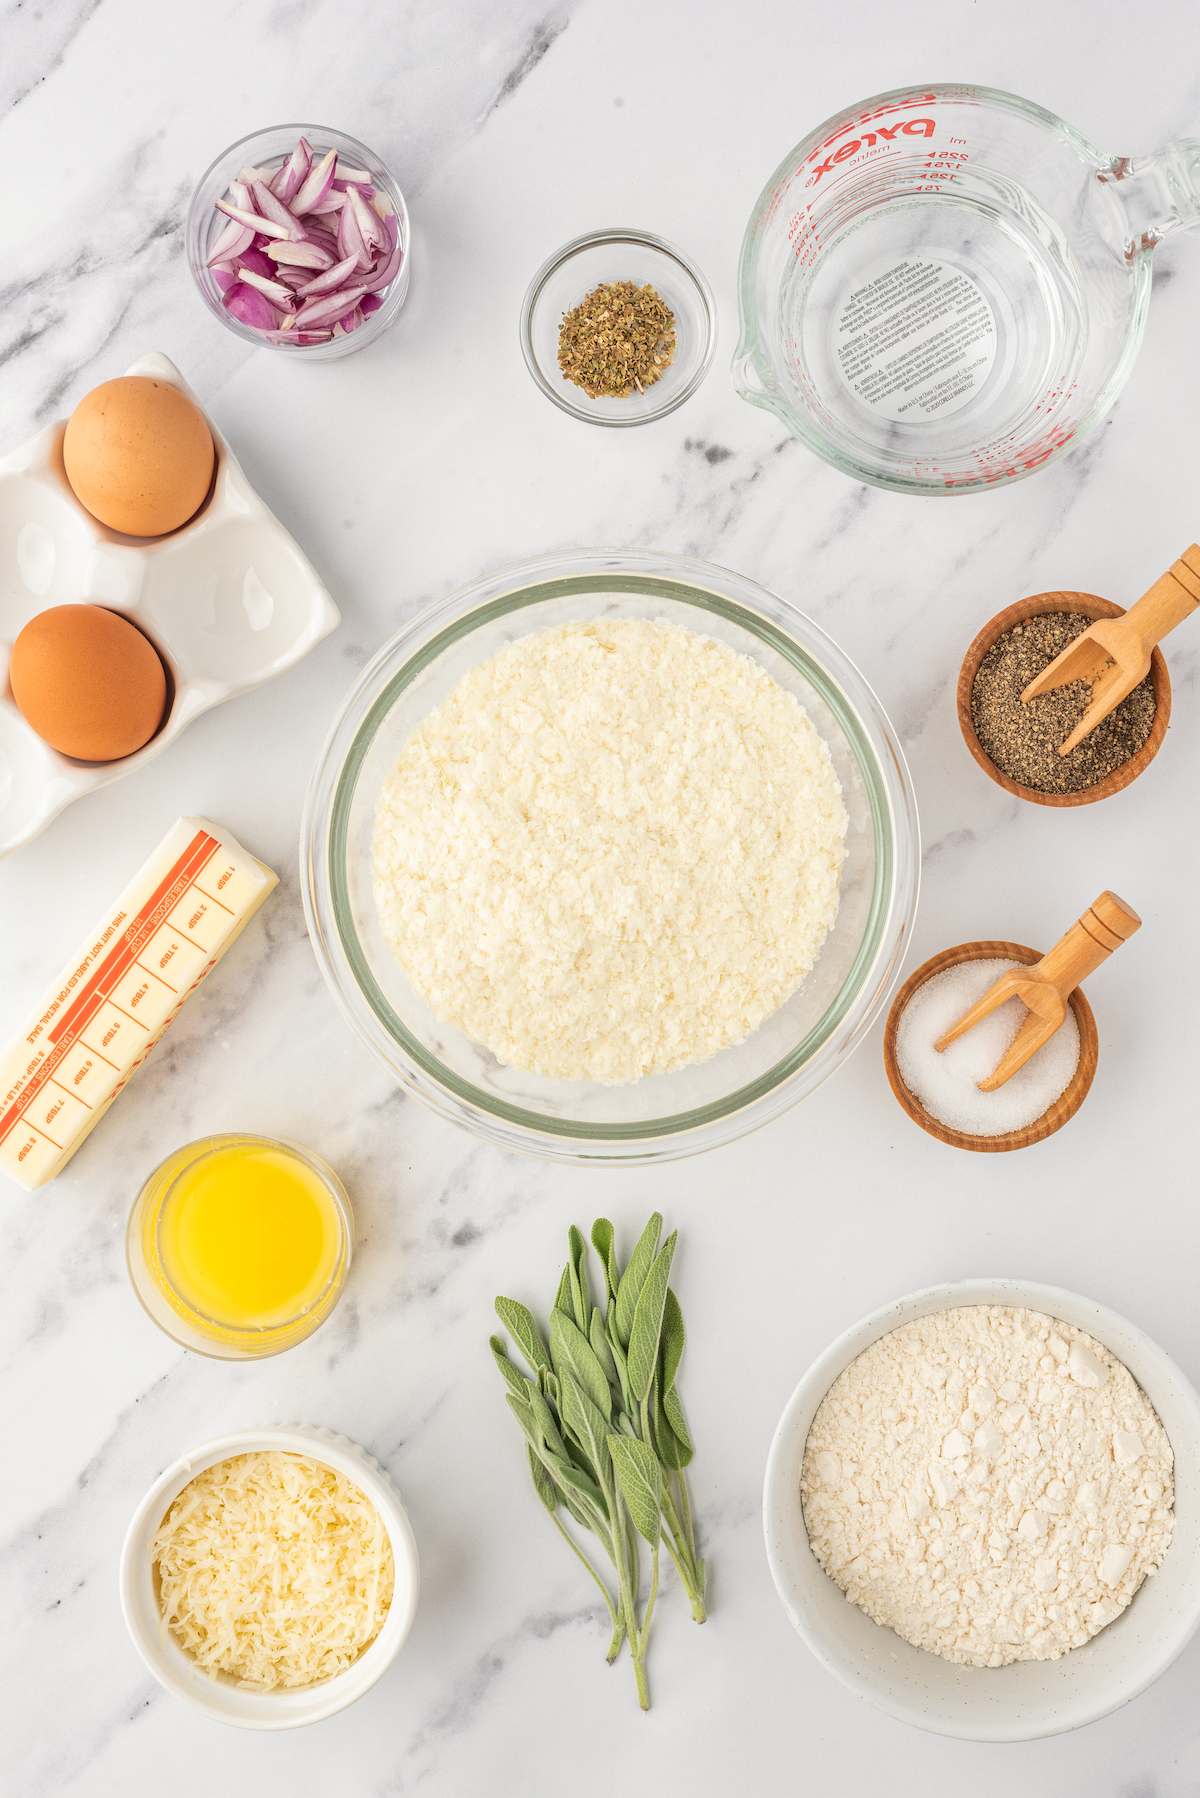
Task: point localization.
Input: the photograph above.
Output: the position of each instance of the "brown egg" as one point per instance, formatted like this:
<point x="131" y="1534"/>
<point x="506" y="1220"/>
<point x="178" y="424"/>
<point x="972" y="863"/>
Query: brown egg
<point x="139" y="455"/>
<point x="88" y="682"/>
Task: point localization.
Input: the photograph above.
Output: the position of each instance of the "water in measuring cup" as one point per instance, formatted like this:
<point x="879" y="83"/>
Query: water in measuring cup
<point x="941" y="332"/>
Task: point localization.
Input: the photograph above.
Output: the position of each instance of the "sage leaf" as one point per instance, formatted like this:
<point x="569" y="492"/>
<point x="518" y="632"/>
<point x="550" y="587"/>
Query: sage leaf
<point x="640" y="1479"/>
<point x="571" y="1350"/>
<point x="673" y="1338"/>
<point x="577" y="1266"/>
<point x="544" y="1418"/>
<point x="647" y="1321"/>
<point x="578" y="1513"/>
<point x="601" y="1350"/>
<point x="604" y="1241"/>
<point x="514" y="1380"/>
<point x="518" y="1321"/>
<point x="672" y="1452"/>
<point x="618" y="1354"/>
<point x="589" y="1426"/>
<point x="675" y="1418"/>
<point x="564" y="1301"/>
<point x="634" y="1277"/>
<point x="543" y="1485"/>
<point x="666" y="1446"/>
<point x="569" y="1476"/>
<point x="523" y="1412"/>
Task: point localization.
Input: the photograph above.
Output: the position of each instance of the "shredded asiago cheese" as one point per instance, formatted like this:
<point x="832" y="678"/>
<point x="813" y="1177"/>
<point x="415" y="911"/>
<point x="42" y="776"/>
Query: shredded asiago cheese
<point x="274" y="1569"/>
<point x="612" y="850"/>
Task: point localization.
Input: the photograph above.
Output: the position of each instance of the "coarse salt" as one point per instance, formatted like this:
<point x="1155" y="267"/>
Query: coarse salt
<point x="946" y="1081"/>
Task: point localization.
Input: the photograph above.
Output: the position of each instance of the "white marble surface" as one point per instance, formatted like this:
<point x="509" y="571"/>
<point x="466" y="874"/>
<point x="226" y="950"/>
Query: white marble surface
<point x="402" y="473"/>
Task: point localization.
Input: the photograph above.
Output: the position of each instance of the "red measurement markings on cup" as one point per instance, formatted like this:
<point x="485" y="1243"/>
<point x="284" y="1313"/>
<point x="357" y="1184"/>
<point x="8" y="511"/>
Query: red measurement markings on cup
<point x="944" y="165"/>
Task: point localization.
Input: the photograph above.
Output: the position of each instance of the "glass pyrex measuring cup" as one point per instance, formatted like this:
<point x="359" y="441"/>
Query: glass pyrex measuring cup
<point x="945" y="287"/>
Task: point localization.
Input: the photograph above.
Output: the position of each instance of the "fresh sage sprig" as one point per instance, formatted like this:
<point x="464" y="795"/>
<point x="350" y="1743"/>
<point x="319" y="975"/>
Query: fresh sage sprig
<point x="606" y="1437"/>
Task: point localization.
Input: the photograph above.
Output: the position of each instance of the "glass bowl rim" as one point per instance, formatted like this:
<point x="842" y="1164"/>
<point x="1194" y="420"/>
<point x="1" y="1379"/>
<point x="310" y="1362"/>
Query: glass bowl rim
<point x="377" y="322"/>
<point x="750" y="351"/>
<point x="589" y="239"/>
<point x="894" y="820"/>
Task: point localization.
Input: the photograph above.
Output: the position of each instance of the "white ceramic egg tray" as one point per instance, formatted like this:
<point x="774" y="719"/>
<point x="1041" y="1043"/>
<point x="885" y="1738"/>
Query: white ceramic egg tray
<point x="228" y="600"/>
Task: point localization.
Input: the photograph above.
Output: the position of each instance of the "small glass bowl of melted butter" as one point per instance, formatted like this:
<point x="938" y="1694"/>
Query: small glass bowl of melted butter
<point x="238" y="1246"/>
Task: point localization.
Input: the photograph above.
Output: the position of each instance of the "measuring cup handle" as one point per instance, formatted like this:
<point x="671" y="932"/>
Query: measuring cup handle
<point x="1159" y="193"/>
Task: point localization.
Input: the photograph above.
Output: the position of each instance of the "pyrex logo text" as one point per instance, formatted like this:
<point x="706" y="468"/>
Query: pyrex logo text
<point x="912" y="128"/>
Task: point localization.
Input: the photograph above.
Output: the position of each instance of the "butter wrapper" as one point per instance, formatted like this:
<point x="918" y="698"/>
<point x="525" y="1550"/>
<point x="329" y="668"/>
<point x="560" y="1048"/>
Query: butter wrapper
<point x="131" y="976"/>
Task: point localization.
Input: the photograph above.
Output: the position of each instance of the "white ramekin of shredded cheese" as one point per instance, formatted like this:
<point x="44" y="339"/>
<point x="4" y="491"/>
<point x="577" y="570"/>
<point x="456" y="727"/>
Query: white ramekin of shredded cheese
<point x="375" y="1538"/>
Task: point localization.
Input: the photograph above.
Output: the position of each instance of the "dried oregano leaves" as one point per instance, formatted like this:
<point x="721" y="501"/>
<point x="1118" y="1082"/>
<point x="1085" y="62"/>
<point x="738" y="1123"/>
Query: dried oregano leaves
<point x="619" y="338"/>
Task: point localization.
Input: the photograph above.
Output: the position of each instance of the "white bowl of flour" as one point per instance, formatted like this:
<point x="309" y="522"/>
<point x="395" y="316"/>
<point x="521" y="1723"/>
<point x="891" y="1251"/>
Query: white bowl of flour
<point x="1029" y="1697"/>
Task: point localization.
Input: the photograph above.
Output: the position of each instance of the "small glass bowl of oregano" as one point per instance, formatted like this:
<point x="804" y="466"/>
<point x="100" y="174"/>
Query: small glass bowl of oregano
<point x="618" y="328"/>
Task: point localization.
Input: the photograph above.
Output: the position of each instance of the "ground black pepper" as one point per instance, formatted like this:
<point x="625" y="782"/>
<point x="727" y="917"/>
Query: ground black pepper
<point x="1023" y="740"/>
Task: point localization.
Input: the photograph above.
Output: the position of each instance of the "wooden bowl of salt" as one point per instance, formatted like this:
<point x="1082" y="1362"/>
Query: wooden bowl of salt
<point x="1059" y="1112"/>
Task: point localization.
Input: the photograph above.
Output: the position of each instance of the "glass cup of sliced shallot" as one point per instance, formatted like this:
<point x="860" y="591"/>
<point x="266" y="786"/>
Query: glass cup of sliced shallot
<point x="298" y="239"/>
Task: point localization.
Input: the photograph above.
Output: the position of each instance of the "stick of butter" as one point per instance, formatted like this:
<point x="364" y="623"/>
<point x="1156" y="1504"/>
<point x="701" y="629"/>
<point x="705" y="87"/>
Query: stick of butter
<point x="114" y="999"/>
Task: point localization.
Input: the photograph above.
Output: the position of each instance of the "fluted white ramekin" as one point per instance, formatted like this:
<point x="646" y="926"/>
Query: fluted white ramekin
<point x="219" y="1696"/>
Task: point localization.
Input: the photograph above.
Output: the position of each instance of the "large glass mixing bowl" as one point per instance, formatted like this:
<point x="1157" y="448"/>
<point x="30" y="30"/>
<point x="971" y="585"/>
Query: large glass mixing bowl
<point x="663" y="1116"/>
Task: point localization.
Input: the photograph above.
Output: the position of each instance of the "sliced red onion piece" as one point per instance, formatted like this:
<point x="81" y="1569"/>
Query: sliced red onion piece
<point x="371" y="227"/>
<point x="385" y="273"/>
<point x="369" y="303"/>
<point x="332" y="279"/>
<point x="275" y="210"/>
<point x="257" y="261"/>
<point x="298" y="337"/>
<point x="333" y="306"/>
<point x="317" y="185"/>
<point x="224" y="276"/>
<point x="290" y="176"/>
<point x="333" y="202"/>
<point x="350" y="239"/>
<point x="233" y="240"/>
<point x="275" y="291"/>
<point x="359" y="176"/>
<point x="262" y="227"/>
<point x="250" y="175"/>
<point x="251" y="307"/>
<point x="300" y="255"/>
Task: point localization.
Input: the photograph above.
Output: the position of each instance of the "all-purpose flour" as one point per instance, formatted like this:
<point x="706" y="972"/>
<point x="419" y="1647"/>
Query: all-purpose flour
<point x="990" y="1483"/>
<point x="614" y="849"/>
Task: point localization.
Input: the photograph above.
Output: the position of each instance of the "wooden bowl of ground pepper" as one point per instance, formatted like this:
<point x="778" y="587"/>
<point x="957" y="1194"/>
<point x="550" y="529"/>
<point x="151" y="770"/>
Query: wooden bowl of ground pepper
<point x="1017" y="745"/>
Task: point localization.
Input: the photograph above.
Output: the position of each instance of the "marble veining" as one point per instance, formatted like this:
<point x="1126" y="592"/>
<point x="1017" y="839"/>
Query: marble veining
<point x="403" y="473"/>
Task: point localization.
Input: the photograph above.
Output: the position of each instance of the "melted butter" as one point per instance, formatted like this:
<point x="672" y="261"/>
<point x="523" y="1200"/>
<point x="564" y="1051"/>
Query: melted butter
<point x="248" y="1237"/>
